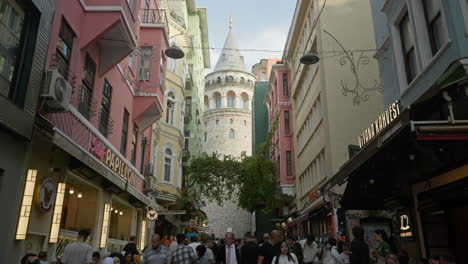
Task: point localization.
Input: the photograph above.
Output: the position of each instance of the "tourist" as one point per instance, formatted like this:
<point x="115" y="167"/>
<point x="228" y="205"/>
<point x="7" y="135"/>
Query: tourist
<point x="42" y="257"/>
<point x="194" y="243"/>
<point x="391" y="259"/>
<point x="131" y="245"/>
<point x="249" y="251"/>
<point x="296" y="248"/>
<point x="30" y="258"/>
<point x="285" y="257"/>
<point x="228" y="254"/>
<point x="309" y="249"/>
<point x="78" y="252"/>
<point x="340" y="246"/>
<point x="129" y="258"/>
<point x="359" y="251"/>
<point x="108" y="260"/>
<point x="96" y="257"/>
<point x="266" y="238"/>
<point x="156" y="253"/>
<point x="330" y="254"/>
<point x="209" y="251"/>
<point x="383" y="248"/>
<point x="202" y="258"/>
<point x="183" y="254"/>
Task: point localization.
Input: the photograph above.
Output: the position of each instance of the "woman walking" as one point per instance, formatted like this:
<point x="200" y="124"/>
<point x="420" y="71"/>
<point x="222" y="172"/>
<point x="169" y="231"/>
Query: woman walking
<point x="285" y="257"/>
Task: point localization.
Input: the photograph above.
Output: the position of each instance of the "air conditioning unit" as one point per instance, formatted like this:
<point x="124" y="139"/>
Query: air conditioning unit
<point x="56" y="92"/>
<point x="149" y="182"/>
<point x="149" y="168"/>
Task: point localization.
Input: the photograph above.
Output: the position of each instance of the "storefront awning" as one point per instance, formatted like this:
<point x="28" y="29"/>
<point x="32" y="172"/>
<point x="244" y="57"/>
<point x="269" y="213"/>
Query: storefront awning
<point x="89" y="160"/>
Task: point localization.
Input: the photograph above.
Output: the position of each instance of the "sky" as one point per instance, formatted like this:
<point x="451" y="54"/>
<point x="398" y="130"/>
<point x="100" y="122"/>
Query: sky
<point x="257" y="24"/>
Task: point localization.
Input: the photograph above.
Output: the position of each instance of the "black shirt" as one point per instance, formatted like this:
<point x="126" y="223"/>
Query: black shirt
<point x="359" y="252"/>
<point x="268" y="251"/>
<point x="131" y="247"/>
<point x="249" y="253"/>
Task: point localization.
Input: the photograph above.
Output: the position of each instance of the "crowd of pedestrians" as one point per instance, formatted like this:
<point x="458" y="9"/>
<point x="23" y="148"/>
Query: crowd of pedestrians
<point x="272" y="249"/>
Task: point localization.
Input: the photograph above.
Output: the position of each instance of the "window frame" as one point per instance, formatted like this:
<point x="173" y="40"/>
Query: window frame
<point x="171" y="101"/>
<point x="287" y="122"/>
<point x="430" y="28"/>
<point x="134" y="146"/>
<point x="124" y="135"/>
<point x="145" y="63"/>
<point x="285" y="84"/>
<point x="171" y="165"/>
<point x="464" y="8"/>
<point x="232" y="134"/>
<point x="288" y="163"/>
<point x="65" y="26"/>
<point x="105" y="109"/>
<point x="87" y="87"/>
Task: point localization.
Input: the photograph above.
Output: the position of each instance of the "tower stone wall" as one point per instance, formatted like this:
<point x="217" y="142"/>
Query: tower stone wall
<point x="228" y="129"/>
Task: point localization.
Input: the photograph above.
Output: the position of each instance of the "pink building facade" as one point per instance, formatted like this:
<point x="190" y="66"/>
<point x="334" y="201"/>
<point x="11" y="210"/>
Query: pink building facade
<point x="277" y="99"/>
<point x="103" y="91"/>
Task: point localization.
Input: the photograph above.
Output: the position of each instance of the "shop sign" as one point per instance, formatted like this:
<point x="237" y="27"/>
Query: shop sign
<point x="385" y="119"/>
<point x="314" y="195"/>
<point x="405" y="227"/>
<point x="152" y="215"/>
<point x="47" y="194"/>
<point x="112" y="161"/>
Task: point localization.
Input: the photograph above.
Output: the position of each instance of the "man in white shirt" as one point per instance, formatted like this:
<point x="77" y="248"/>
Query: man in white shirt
<point x="194" y="243"/>
<point x="228" y="254"/>
<point x="209" y="252"/>
<point x="78" y="252"/>
<point x="309" y="249"/>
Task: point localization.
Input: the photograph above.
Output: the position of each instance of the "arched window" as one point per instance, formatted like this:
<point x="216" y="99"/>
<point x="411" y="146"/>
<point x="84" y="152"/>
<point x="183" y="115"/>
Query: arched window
<point x="231" y="78"/>
<point x="207" y="102"/>
<point x="217" y="98"/>
<point x="226" y="79"/>
<point x="206" y="136"/>
<point x="231" y="121"/>
<point x="231" y="133"/>
<point x="231" y="99"/>
<point x="170" y="108"/>
<point x="242" y="80"/>
<point x="217" y="121"/>
<point x="245" y="122"/>
<point x="218" y="80"/>
<point x="244" y="101"/>
<point x="168" y="165"/>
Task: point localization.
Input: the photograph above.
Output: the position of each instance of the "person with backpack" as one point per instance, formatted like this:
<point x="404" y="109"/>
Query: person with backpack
<point x="285" y="257"/>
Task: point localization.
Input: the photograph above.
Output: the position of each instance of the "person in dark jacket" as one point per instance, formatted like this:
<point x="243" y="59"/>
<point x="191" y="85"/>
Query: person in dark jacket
<point x="249" y="251"/>
<point x="359" y="251"/>
<point x="296" y="248"/>
<point x="228" y="249"/>
<point x="131" y="246"/>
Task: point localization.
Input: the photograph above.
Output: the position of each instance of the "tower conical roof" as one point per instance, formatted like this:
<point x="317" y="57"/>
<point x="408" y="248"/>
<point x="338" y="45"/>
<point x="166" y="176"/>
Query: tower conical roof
<point x="230" y="57"/>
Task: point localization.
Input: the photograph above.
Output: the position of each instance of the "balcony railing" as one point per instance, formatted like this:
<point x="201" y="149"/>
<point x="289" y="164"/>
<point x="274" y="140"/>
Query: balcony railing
<point x="87" y="105"/>
<point x="154" y="16"/>
<point x="106" y="124"/>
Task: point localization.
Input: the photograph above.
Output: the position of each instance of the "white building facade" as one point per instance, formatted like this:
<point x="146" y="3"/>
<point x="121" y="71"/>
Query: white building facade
<point x="228" y="128"/>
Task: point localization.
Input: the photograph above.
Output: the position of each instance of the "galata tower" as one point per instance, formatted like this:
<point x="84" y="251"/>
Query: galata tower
<point x="228" y="124"/>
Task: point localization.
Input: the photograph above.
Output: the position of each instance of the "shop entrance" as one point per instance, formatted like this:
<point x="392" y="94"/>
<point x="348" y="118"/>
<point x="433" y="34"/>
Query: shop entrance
<point x="444" y="211"/>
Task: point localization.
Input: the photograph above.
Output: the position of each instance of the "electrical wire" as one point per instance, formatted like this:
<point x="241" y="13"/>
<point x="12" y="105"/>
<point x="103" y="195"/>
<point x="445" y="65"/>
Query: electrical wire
<point x="248" y="50"/>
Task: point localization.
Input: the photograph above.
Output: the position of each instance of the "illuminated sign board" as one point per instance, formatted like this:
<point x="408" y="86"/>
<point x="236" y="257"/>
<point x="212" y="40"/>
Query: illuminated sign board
<point x="385" y="119"/>
<point x="404" y="226"/>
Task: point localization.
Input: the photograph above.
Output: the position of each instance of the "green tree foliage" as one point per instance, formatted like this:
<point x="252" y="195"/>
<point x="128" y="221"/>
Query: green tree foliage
<point x="251" y="178"/>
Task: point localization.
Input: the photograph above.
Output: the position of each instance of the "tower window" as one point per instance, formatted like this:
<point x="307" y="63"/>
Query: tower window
<point x="231" y="121"/>
<point x="231" y="133"/>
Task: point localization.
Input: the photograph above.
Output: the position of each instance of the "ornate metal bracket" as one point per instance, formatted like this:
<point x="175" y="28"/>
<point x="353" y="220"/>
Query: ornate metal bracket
<point x="357" y="89"/>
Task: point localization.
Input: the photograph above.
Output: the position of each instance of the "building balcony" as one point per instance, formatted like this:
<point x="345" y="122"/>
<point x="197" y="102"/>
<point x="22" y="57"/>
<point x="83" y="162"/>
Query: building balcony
<point x="155" y="18"/>
<point x="187" y="117"/>
<point x="147" y="109"/>
<point x="112" y="25"/>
